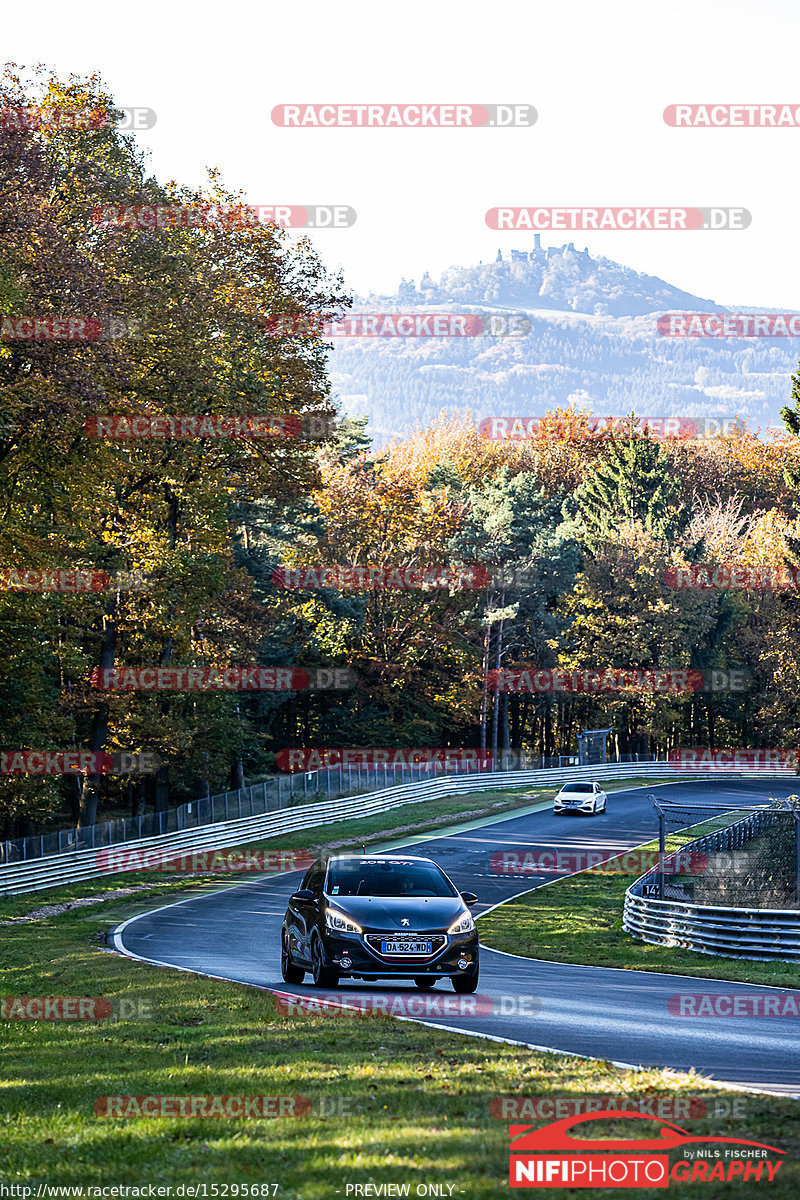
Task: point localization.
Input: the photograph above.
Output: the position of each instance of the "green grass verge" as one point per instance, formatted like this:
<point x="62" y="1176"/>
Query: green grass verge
<point x="579" y="920"/>
<point x="411" y="1104"/>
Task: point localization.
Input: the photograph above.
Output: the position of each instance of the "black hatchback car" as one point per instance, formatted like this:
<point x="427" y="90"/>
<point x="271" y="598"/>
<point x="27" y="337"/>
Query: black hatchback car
<point x="369" y="916"/>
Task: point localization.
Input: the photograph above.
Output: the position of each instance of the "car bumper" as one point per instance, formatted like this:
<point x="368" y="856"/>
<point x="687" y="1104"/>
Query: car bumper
<point x="363" y="960"/>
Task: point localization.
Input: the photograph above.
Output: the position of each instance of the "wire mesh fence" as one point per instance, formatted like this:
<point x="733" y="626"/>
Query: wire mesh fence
<point x="277" y="792"/>
<point x="748" y="857"/>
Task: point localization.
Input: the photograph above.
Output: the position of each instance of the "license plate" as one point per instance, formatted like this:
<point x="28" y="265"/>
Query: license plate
<point x="406" y="947"/>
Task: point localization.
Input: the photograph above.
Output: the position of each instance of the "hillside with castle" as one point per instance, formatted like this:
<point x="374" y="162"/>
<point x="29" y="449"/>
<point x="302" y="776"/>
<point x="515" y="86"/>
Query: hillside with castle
<point x="553" y="277"/>
<point x="594" y="342"/>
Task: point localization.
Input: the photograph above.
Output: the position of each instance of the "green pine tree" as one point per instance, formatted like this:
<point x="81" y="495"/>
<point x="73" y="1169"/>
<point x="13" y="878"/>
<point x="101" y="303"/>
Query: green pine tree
<point x="632" y="484"/>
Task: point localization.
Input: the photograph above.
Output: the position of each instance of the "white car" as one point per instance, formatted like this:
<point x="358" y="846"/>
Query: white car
<point x="586" y="798"/>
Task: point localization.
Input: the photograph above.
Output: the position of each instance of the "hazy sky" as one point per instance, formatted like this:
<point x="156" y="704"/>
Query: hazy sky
<point x="599" y="75"/>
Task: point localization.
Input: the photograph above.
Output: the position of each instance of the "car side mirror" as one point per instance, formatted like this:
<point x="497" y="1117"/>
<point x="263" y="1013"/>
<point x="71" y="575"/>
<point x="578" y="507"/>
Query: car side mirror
<point x="469" y="897"/>
<point x="304" y="895"/>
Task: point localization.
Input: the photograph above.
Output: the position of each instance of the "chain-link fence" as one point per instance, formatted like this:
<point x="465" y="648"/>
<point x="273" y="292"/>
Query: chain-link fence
<point x="277" y="792"/>
<point x="746" y="858"/>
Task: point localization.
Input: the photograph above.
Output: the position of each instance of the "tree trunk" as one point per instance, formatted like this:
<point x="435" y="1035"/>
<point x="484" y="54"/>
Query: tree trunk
<point x="485" y="688"/>
<point x="504" y="724"/>
<point x="237" y="774"/>
<point x="98" y="734"/>
<point x="496" y="705"/>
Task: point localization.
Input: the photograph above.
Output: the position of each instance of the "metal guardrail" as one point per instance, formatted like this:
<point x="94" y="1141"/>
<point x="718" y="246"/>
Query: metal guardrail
<point x="755" y="934"/>
<point x="72" y="867"/>
<point x="277" y="792"/>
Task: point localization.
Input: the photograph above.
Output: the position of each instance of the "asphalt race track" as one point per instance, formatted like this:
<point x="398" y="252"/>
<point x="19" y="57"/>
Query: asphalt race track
<point x="622" y="1016"/>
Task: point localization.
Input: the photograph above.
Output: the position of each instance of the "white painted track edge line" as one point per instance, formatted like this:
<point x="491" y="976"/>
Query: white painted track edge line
<point x="485" y="1037"/>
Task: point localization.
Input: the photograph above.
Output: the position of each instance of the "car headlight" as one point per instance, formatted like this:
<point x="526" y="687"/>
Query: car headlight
<point x="463" y="924"/>
<point x="336" y="920"/>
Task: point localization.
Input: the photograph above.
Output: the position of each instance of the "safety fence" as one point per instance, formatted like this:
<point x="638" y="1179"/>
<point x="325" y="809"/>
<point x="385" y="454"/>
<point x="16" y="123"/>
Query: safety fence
<point x="754" y="860"/>
<point x="270" y="795"/>
<point x="93" y="862"/>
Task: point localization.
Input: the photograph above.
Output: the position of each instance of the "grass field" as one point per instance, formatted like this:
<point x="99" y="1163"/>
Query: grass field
<point x="407" y="1104"/>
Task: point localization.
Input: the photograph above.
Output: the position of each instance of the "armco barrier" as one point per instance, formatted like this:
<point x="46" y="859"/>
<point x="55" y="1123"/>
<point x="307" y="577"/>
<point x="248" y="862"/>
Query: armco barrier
<point x="71" y="867"/>
<point x="57" y="869"/>
<point x="755" y="934"/>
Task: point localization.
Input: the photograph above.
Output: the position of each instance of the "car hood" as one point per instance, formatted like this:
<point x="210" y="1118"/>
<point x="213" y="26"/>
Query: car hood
<point x="378" y="913"/>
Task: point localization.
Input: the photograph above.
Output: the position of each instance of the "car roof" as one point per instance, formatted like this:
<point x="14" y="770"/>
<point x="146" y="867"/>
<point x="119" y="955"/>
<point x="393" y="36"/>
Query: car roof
<point x="381" y="857"/>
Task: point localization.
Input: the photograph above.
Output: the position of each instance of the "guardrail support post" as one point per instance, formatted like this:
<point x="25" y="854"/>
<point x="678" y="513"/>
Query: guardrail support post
<point x="662" y="841"/>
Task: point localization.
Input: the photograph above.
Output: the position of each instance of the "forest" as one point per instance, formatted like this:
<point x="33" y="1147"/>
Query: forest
<point x="212" y="599"/>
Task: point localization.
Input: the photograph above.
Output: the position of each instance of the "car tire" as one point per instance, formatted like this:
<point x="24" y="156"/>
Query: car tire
<point x="424" y="982"/>
<point x="322" y="973"/>
<point x="289" y="972"/>
<point x="466" y="983"/>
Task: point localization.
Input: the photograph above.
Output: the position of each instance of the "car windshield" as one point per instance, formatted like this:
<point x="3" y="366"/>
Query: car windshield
<point x="387" y="877"/>
<point x="578" y="787"/>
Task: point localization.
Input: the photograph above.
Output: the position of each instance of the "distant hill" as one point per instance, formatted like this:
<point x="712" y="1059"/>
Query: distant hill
<point x="593" y="342"/>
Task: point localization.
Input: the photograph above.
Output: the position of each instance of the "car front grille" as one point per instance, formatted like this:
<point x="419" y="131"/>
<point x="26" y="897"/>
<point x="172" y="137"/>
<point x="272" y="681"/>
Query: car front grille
<point x="437" y="940"/>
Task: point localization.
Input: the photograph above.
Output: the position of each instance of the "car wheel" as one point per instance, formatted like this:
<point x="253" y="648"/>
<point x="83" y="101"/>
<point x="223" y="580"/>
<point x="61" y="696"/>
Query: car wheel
<point x="324" y="975"/>
<point x="290" y="973"/>
<point x="424" y="981"/>
<point x="468" y="982"/>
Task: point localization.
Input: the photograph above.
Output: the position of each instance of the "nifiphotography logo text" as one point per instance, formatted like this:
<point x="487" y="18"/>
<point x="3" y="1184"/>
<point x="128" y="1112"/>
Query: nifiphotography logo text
<point x="553" y="1156"/>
